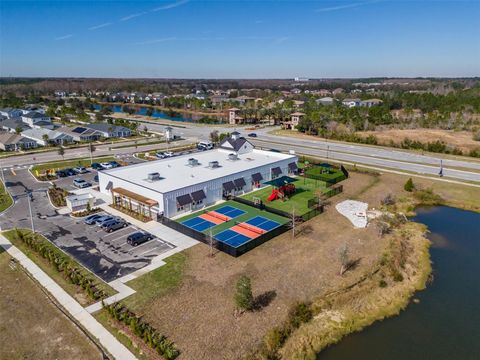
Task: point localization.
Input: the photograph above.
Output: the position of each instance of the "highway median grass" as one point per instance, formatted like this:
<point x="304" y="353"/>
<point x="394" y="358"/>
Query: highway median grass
<point x="56" y="165"/>
<point x="5" y="199"/>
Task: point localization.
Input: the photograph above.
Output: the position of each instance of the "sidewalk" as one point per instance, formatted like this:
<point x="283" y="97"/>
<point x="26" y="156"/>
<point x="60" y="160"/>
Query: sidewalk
<point x="108" y="341"/>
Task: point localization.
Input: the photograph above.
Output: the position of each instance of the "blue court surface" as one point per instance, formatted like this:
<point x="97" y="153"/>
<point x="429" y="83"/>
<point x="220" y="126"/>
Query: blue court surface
<point x="198" y="224"/>
<point x="232" y="238"/>
<point x="229" y="211"/>
<point x="263" y="223"/>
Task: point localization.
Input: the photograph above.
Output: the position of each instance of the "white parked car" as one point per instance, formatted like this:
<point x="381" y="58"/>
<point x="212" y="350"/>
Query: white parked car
<point x="107" y="165"/>
<point x="80" y="170"/>
<point x="168" y="154"/>
<point x="160" y="155"/>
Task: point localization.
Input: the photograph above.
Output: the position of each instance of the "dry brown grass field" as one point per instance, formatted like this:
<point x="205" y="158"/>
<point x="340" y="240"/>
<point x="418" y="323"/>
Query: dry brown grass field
<point x="31" y="326"/>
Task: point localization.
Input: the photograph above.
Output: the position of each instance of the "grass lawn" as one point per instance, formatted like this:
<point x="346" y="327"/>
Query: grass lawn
<point x="32" y="327"/>
<point x="330" y="175"/>
<point x="157" y="282"/>
<point x="72" y="289"/>
<point x="305" y="190"/>
<point x="5" y="198"/>
<point x="85" y="162"/>
<point x="250" y="212"/>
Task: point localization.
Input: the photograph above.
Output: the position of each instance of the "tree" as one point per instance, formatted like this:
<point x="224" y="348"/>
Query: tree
<point x="244" y="296"/>
<point x="45" y="139"/>
<point x="409" y="185"/>
<point x="214" y="136"/>
<point x="344" y="258"/>
<point x="18" y="130"/>
<point x="61" y="152"/>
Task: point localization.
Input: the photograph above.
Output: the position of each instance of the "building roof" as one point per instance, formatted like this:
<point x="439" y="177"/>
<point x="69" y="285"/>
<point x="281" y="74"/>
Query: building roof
<point x="9" y="138"/>
<point x="13" y="123"/>
<point x="34" y="115"/>
<point x="297" y="114"/>
<point x="107" y="127"/>
<point x="235" y="144"/>
<point x="176" y="173"/>
<point x="134" y="196"/>
<point x="233" y="109"/>
<point x="39" y="132"/>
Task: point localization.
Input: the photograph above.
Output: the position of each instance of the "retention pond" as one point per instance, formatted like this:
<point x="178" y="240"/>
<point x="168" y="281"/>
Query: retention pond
<point x="445" y="323"/>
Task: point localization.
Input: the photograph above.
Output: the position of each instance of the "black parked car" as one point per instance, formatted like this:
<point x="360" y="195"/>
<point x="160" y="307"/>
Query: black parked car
<point x="138" y="238"/>
<point x="252" y="135"/>
<point x="70" y="172"/>
<point x="97" y="166"/>
<point x="61" y="173"/>
<point x="114" y="164"/>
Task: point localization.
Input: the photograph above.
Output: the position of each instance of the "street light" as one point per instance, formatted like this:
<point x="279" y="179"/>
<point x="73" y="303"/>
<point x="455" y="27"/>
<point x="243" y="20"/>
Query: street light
<point x="29" y="198"/>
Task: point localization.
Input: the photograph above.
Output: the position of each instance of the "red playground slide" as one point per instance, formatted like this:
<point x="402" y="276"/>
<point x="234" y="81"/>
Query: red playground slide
<point x="273" y="195"/>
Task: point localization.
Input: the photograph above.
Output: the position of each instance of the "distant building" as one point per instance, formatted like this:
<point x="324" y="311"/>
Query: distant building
<point x="294" y="120"/>
<point x="169" y="135"/>
<point x="236" y="143"/>
<point x="351" y="103"/>
<point x="14" y="142"/>
<point x="301" y="79"/>
<point x="54" y="137"/>
<point x="233" y="117"/>
<point x="338" y="91"/>
<point x="13" y="124"/>
<point x="110" y="131"/>
<point x="10" y="112"/>
<point x="81" y="133"/>
<point x="371" y="102"/>
<point x="325" y="101"/>
<point x="33" y="118"/>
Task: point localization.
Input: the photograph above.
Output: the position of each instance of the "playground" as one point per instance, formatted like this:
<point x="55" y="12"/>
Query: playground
<point x="288" y="194"/>
<point x="233" y="223"/>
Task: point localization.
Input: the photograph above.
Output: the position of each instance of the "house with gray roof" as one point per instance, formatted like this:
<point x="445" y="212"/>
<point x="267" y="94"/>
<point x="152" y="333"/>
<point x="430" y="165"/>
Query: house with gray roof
<point x="13" y="124"/>
<point x="81" y="133"/>
<point x="14" y="142"/>
<point x="10" y="112"/>
<point x="34" y="117"/>
<point x="110" y="130"/>
<point x="54" y="137"/>
<point x="236" y="143"/>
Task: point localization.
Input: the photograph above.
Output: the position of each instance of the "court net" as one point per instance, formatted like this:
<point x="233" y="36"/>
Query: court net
<point x="251" y="228"/>
<point x="218" y="215"/>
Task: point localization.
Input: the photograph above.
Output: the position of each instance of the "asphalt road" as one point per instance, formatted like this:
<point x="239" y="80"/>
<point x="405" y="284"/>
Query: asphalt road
<point x="373" y="161"/>
<point x="461" y="169"/>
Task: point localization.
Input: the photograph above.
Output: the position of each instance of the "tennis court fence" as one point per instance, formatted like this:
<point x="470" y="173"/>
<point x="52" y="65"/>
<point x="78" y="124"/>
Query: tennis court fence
<point x="230" y="250"/>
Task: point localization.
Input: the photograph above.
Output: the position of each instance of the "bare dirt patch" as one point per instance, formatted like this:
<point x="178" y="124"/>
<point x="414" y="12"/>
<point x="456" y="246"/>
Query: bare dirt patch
<point x="460" y="139"/>
<point x="32" y="327"/>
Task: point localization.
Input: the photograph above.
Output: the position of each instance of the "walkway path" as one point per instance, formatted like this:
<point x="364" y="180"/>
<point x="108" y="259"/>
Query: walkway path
<point x="108" y="341"/>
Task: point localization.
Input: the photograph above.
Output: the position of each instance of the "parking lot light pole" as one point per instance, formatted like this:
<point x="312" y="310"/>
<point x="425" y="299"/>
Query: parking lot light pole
<point x="29" y="194"/>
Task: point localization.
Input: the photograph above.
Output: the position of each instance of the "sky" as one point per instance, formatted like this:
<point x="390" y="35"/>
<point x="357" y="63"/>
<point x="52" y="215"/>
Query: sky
<point x="240" y="39"/>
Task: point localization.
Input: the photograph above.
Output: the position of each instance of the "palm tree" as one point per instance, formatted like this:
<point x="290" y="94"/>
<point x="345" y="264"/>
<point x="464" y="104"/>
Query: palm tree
<point x="61" y="152"/>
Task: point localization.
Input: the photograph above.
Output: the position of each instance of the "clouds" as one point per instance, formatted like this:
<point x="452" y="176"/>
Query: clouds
<point x="129" y="17"/>
<point x="268" y="39"/>
<point x="345" y="6"/>
<point x="170" y="6"/>
<point x="100" y="26"/>
<point x="64" y="37"/>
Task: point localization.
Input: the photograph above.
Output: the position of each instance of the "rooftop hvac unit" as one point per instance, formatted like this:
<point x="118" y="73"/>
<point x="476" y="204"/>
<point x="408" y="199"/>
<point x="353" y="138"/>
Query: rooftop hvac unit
<point x="192" y="162"/>
<point x="213" y="164"/>
<point x="153" y="176"/>
<point x="232" y="156"/>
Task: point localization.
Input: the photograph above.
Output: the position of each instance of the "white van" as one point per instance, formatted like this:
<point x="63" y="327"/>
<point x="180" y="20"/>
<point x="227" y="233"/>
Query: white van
<point x="205" y="145"/>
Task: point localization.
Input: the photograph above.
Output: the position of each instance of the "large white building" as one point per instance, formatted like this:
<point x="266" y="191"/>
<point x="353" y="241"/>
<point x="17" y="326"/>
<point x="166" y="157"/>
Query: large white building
<point x="187" y="183"/>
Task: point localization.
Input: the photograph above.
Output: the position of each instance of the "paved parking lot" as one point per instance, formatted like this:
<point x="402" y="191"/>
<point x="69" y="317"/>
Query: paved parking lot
<point x="105" y="254"/>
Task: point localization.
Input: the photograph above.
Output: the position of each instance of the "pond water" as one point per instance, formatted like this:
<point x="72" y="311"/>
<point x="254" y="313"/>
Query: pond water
<point x="142" y="110"/>
<point x="446" y="322"/>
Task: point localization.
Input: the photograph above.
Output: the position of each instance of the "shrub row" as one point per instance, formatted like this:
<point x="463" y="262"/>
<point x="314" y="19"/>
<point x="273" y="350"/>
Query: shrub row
<point x="62" y="263"/>
<point x="58" y="196"/>
<point x="143" y="330"/>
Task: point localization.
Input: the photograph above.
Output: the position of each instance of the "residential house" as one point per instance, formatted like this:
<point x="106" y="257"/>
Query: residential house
<point x="337" y="91"/>
<point x="237" y="144"/>
<point x="81" y="133"/>
<point x="14" y="142"/>
<point x="325" y="101"/>
<point x="34" y="117"/>
<point x="351" y="103"/>
<point x="10" y="112"/>
<point x="298" y="103"/>
<point x="218" y="99"/>
<point x="54" y="137"/>
<point x="109" y="130"/>
<point x="13" y="124"/>
<point x="371" y="102"/>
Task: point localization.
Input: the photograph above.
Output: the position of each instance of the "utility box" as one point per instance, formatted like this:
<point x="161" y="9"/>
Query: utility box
<point x="79" y="202"/>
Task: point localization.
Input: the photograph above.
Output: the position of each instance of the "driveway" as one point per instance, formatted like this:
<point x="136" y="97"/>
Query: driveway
<point x="105" y="254"/>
